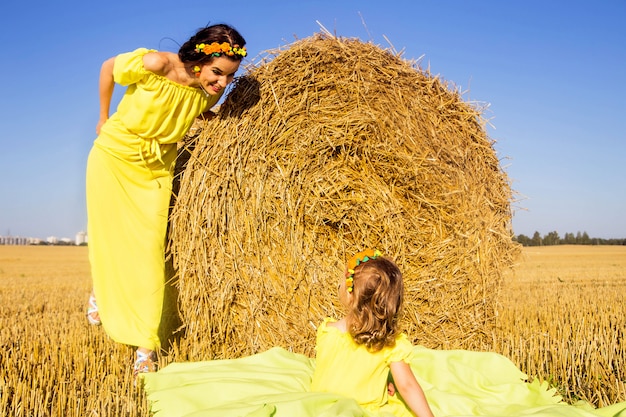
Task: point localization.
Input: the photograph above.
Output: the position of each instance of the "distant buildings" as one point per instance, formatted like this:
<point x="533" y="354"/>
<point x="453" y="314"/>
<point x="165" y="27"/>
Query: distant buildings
<point x="17" y="240"/>
<point x="79" y="239"/>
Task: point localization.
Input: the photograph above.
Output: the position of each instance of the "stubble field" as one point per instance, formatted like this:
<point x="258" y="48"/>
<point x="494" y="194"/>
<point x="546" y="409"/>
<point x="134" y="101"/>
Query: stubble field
<point x="562" y="319"/>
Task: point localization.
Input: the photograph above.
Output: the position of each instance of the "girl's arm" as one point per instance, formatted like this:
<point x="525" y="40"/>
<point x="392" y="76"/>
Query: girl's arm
<point x="410" y="389"/>
<point x="105" y="85"/>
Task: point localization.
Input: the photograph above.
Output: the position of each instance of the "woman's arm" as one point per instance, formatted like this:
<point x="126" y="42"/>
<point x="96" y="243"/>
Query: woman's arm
<point x="410" y="389"/>
<point x="106" y="86"/>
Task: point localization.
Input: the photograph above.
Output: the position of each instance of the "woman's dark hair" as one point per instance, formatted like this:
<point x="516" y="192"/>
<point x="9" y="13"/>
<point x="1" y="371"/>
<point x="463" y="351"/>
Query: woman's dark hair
<point x="215" y="33"/>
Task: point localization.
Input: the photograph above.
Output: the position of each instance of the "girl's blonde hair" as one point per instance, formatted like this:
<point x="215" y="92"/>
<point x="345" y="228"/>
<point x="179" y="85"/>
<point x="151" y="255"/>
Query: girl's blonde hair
<point x="376" y="303"/>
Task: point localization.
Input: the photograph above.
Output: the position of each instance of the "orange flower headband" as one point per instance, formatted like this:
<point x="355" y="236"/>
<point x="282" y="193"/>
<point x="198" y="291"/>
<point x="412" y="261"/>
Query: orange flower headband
<point x="217" y="49"/>
<point x="357" y="260"/>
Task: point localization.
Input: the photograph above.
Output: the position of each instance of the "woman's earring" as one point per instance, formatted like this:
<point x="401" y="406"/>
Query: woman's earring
<point x="196" y="71"/>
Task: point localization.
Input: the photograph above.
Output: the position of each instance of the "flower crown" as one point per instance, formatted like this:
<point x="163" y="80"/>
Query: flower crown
<point x="217" y="49"/>
<point x="357" y="260"/>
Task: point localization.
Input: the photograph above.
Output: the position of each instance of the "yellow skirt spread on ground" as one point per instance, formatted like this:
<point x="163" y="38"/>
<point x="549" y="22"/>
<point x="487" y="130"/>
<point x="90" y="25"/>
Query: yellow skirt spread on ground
<point x="277" y="383"/>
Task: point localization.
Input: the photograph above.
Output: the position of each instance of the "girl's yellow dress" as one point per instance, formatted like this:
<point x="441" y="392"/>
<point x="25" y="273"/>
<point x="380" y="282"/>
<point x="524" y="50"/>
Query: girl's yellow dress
<point x="279" y="383"/>
<point x="349" y="369"/>
<point x="129" y="183"/>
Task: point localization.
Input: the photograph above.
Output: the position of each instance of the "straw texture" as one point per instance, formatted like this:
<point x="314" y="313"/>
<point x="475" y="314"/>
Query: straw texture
<point x="327" y="147"/>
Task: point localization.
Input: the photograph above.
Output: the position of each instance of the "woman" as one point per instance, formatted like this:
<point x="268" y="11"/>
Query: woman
<point x="129" y="176"/>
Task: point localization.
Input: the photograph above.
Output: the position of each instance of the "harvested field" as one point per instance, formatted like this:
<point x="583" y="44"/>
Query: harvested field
<point x="52" y="363"/>
<point x="563" y="319"/>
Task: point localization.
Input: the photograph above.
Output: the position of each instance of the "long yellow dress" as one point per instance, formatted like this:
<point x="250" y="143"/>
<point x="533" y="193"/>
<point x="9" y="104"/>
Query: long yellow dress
<point x="129" y="183"/>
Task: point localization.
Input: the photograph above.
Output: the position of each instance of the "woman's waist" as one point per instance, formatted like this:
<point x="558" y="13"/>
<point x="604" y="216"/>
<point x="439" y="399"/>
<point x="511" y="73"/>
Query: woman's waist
<point x="125" y="144"/>
<point x="117" y="130"/>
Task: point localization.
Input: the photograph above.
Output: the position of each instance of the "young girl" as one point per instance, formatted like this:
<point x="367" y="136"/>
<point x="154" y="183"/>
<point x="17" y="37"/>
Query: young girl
<point x="129" y="176"/>
<point x="356" y="354"/>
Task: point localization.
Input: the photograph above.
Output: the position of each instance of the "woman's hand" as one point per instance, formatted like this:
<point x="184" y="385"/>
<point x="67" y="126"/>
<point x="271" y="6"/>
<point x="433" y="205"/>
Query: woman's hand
<point x="207" y="115"/>
<point x="99" y="125"/>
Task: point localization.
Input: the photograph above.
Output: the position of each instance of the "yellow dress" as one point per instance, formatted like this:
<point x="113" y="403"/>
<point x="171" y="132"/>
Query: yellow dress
<point x="346" y="368"/>
<point x="279" y="383"/>
<point x="129" y="182"/>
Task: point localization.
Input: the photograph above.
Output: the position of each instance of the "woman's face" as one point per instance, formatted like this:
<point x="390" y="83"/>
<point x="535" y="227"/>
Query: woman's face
<point x="216" y="75"/>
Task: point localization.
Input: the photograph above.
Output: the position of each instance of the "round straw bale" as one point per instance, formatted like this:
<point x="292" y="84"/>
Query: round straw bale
<point x="324" y="148"/>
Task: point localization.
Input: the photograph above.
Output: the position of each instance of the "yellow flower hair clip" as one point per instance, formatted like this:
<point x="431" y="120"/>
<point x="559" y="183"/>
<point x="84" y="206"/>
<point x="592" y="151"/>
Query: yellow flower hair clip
<point x="357" y="260"/>
<point x="217" y="49"/>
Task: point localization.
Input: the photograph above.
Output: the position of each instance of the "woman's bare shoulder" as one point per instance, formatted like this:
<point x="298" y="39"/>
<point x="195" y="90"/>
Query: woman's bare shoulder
<point x="158" y="62"/>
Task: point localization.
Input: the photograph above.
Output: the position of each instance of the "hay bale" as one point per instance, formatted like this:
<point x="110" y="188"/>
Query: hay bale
<point x="328" y="147"/>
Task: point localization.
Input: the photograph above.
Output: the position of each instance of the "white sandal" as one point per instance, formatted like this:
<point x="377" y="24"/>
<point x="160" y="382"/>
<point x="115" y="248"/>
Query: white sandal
<point x="145" y="362"/>
<point x="92" y="311"/>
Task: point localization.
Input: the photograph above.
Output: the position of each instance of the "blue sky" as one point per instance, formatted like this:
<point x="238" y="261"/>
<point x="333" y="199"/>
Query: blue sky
<point x="552" y="73"/>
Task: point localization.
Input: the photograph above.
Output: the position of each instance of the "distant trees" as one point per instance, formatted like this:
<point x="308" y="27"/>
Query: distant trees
<point x="569" y="239"/>
<point x="553" y="238"/>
